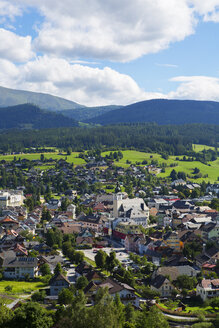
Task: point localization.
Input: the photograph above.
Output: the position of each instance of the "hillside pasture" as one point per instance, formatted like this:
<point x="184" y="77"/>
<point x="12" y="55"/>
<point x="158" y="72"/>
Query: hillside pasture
<point x="198" y="148"/>
<point x="73" y="158"/>
<point x="211" y="169"/>
<point x="19" y="287"/>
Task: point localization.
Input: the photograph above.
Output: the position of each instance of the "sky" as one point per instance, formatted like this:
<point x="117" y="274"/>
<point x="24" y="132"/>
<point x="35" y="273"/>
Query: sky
<point x="104" y="52"/>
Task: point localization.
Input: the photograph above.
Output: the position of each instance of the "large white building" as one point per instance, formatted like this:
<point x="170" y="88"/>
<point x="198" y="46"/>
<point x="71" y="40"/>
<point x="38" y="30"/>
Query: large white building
<point x="134" y="210"/>
<point x="11" y="198"/>
<point x="19" y="267"/>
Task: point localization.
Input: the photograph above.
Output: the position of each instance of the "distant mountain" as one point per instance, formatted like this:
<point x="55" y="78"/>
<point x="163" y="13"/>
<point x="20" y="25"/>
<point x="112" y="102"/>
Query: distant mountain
<point x="162" y="111"/>
<point x="32" y="117"/>
<point x="11" y="97"/>
<point x="86" y="113"/>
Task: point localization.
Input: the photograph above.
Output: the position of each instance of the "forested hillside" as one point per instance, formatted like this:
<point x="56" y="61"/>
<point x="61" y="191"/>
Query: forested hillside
<point x="30" y="116"/>
<point x="163" y="111"/>
<point x="173" y="140"/>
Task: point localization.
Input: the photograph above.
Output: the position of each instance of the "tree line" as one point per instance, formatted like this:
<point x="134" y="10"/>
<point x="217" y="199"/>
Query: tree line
<point x="149" y="137"/>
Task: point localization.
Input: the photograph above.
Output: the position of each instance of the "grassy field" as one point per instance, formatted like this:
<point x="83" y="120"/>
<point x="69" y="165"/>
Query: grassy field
<point x="191" y="309"/>
<point x="19" y="287"/>
<point x="70" y="159"/>
<point x="212" y="170"/>
<point x="6" y="300"/>
<point x="135" y="156"/>
<point x="198" y="148"/>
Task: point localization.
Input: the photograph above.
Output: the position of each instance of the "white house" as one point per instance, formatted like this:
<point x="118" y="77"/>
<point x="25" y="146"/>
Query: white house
<point x="208" y="288"/>
<point x="19" y="267"/>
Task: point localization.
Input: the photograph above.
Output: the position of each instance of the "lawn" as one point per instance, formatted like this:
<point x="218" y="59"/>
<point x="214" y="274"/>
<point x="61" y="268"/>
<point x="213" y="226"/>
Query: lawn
<point x="212" y="171"/>
<point x="189" y="309"/>
<point x="6" y="300"/>
<point x="20" y="287"/>
<point x="136" y="156"/>
<point x="198" y="148"/>
<point x="73" y="158"/>
<point x="89" y="261"/>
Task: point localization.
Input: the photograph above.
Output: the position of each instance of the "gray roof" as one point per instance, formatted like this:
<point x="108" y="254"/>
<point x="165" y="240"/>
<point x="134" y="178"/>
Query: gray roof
<point x="20" y="262"/>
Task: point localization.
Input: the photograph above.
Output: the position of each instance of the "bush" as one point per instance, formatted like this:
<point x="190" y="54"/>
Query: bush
<point x="8" y="288"/>
<point x="38" y="296"/>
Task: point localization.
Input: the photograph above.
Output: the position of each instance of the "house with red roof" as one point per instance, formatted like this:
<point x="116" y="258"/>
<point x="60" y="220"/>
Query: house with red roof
<point x="208" y="288"/>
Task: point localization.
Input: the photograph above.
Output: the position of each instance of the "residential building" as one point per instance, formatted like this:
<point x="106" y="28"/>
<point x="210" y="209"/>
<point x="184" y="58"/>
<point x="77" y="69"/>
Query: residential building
<point x="20" y="267"/>
<point x="171" y="239"/>
<point x="57" y="283"/>
<point x="208" y="288"/>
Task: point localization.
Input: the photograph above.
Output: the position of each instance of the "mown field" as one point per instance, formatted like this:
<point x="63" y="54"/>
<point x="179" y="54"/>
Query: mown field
<point x="198" y="148"/>
<point x="19" y="287"/>
<point x="73" y="158"/>
<point x="212" y="169"/>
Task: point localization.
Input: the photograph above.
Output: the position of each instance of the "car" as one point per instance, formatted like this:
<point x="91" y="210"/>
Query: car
<point x="95" y="250"/>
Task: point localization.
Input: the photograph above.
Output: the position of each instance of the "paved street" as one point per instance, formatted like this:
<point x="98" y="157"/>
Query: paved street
<point x="71" y="274"/>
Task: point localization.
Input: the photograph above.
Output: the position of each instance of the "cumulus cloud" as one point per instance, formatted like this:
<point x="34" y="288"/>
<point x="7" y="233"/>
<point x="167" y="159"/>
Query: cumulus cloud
<point x="112" y="30"/>
<point x="196" y="87"/>
<point x="115" y="30"/>
<point x="14" y="47"/>
<point x="9" y="9"/>
<point x="94" y="86"/>
<point x="83" y="84"/>
<point x="208" y="9"/>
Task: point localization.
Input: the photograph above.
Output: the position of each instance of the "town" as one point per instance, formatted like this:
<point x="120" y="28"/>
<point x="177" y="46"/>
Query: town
<point x="97" y="226"/>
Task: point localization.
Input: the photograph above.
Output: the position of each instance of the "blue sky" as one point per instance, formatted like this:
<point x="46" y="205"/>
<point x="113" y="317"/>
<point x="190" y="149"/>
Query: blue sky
<point x="99" y="52"/>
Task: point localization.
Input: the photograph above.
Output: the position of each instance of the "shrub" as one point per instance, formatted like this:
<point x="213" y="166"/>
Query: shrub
<point x="8" y="288"/>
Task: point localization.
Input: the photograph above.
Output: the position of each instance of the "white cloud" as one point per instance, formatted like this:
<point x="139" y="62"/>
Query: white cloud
<point x="14" y="47"/>
<point x="196" y="87"/>
<point x="116" y="30"/>
<point x="93" y="86"/>
<point x="9" y="9"/>
<point x="83" y="84"/>
<point x="209" y="9"/>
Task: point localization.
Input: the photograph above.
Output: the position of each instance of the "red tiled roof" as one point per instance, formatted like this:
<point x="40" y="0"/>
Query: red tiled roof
<point x="207" y="283"/>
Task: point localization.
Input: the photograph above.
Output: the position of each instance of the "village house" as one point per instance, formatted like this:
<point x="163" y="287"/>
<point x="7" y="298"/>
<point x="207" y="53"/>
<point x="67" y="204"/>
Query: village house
<point x="208" y="288"/>
<point x="171" y="239"/>
<point x="127" y="293"/>
<point x="162" y="285"/>
<point x="20" y="267"/>
<point x="57" y="283"/>
<point x="132" y="242"/>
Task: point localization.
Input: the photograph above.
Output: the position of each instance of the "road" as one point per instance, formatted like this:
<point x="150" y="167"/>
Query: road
<point x="71" y="274"/>
<point x="21" y="298"/>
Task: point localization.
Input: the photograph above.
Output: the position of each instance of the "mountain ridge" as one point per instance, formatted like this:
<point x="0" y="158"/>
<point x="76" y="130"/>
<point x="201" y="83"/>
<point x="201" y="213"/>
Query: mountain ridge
<point x="29" y="116"/>
<point x="13" y="97"/>
<point x="162" y="111"/>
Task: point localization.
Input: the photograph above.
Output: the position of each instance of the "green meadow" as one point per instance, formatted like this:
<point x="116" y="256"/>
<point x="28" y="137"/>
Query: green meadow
<point x="198" y="148"/>
<point x="73" y="158"/>
<point x="133" y="156"/>
<point x="212" y="169"/>
<point x="19" y="287"/>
